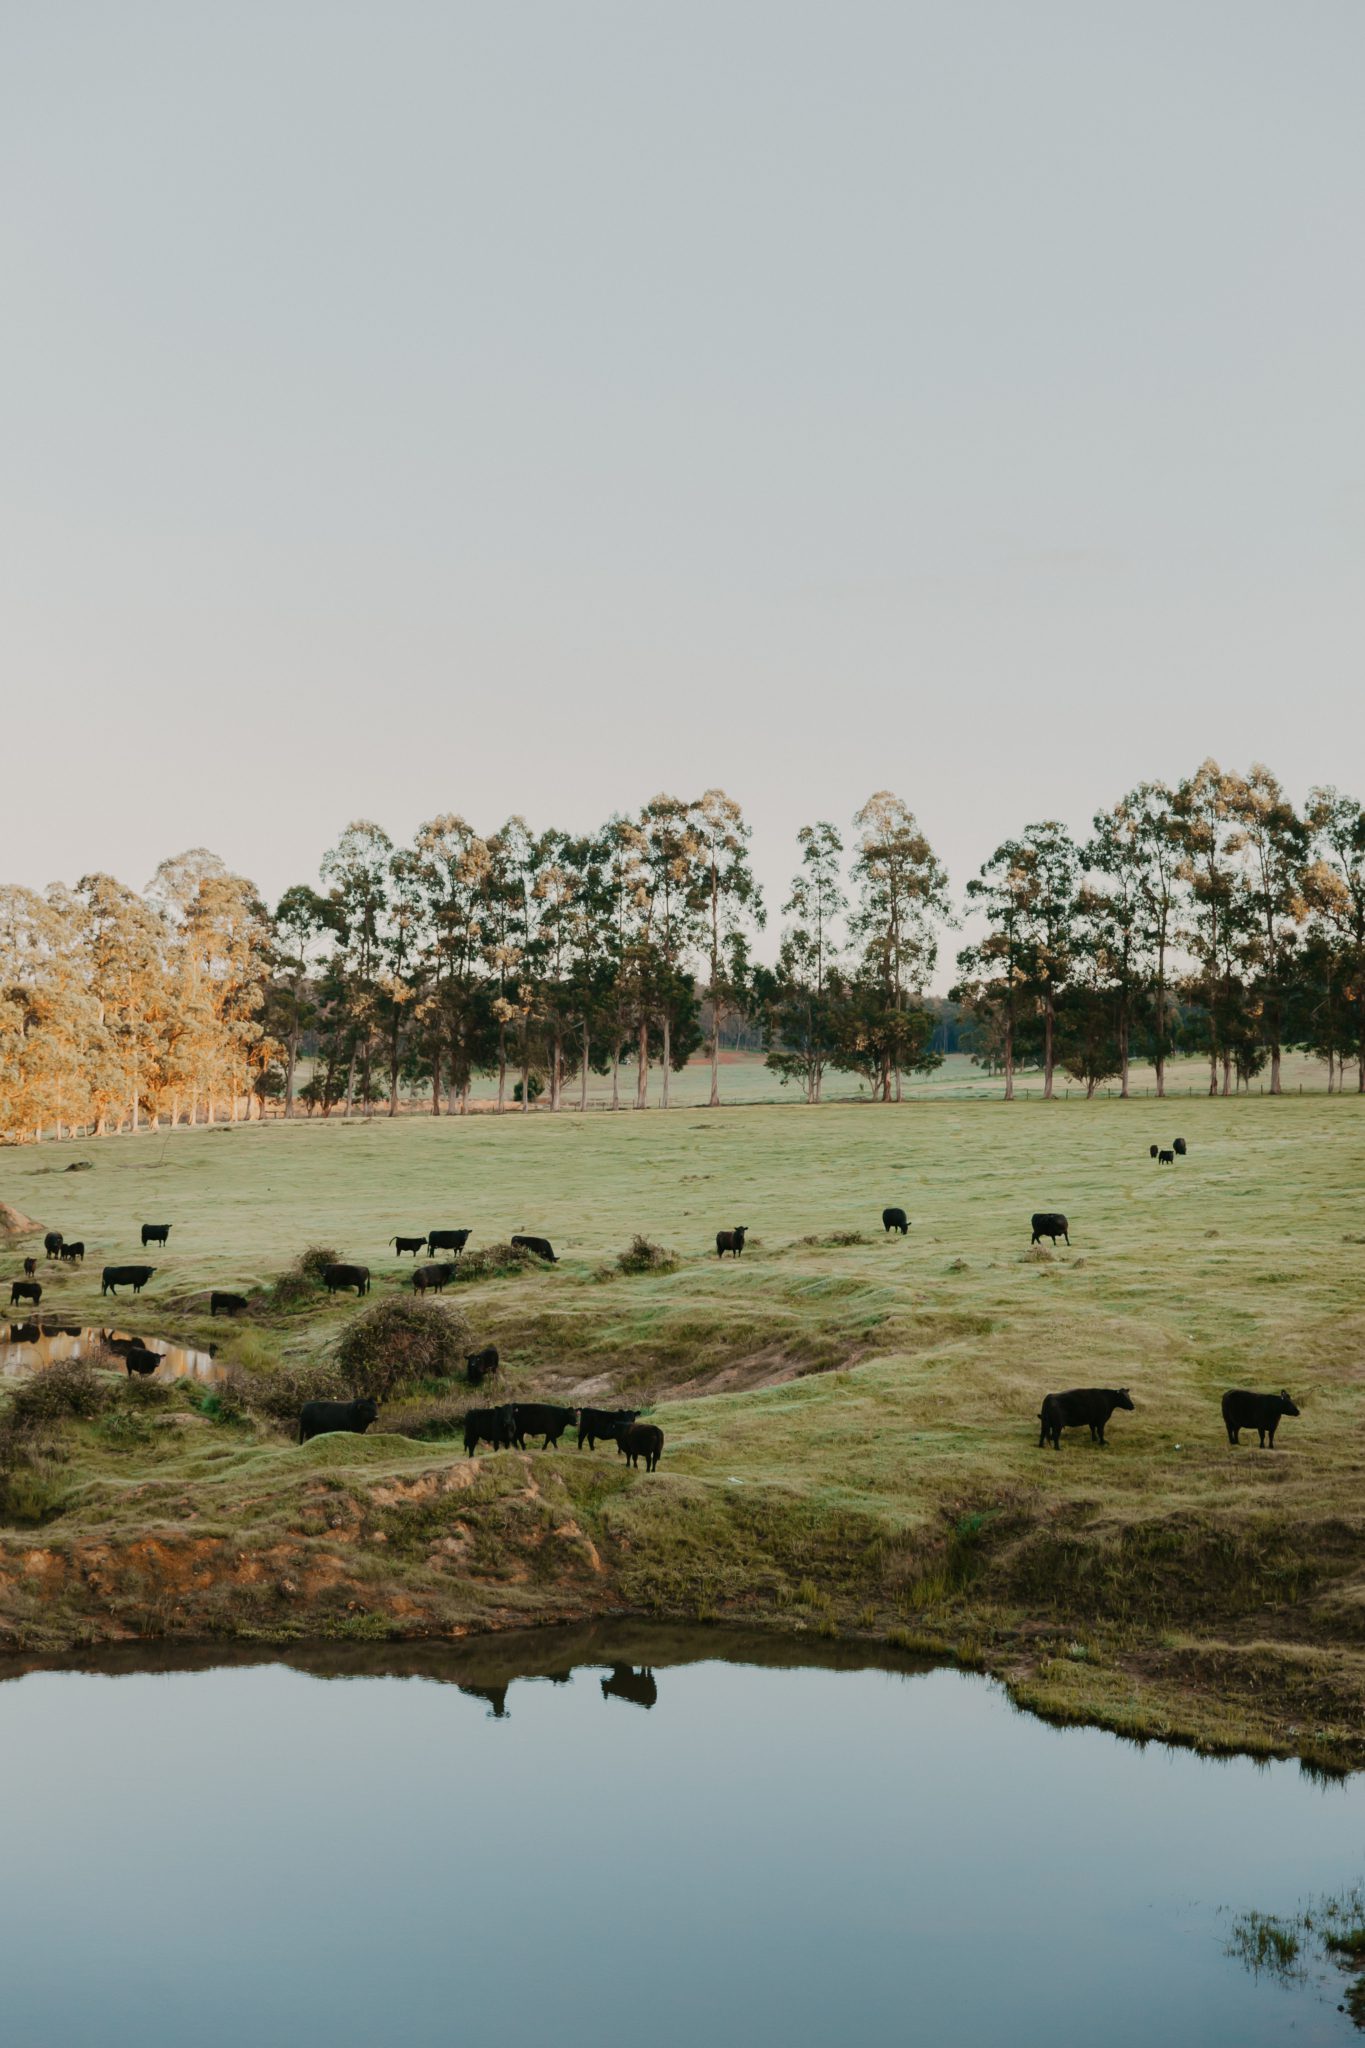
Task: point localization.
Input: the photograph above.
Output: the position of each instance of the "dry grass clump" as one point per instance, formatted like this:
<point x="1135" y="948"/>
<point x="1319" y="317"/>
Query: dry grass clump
<point x="493" y="1261"/>
<point x="71" y="1387"/>
<point x="641" y="1255"/>
<point x="397" y="1342"/>
<point x="304" y="1277"/>
<point x="279" y="1391"/>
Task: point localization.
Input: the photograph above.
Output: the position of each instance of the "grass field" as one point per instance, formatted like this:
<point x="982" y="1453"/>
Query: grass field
<point x="851" y="1426"/>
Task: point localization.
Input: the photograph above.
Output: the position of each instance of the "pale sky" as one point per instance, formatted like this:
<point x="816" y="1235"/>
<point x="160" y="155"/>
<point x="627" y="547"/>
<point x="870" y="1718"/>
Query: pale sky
<point x="528" y="407"/>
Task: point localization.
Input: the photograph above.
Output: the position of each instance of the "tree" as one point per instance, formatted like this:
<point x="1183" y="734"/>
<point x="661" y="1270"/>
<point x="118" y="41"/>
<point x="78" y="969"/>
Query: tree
<point x="358" y="869"/>
<point x="903" y="889"/>
<point x="670" y="932"/>
<point x="1274" y="841"/>
<point x="732" y="902"/>
<point x="1214" y="933"/>
<point x="993" y="971"/>
<point x="453" y="867"/>
<point x="1125" y="922"/>
<point x="300" y="916"/>
<point x="1334" y="889"/>
<point x="798" y="996"/>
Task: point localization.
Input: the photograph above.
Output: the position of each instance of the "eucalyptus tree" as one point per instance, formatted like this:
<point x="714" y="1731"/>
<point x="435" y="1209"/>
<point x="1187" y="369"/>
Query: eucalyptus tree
<point x="1334" y="887"/>
<point x="1274" y="842"/>
<point x="124" y="943"/>
<point x="672" y="926"/>
<point x="300" y="916"/>
<point x="453" y="865"/>
<point x="902" y="895"/>
<point x="1128" y="922"/>
<point x="993" y="971"/>
<point x="623" y="911"/>
<point x="358" y="871"/>
<point x="1215" y="905"/>
<point x="732" y="906"/>
<point x="799" y="995"/>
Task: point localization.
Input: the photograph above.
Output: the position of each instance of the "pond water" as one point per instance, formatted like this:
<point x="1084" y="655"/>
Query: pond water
<point x="32" y="1347"/>
<point x="680" y="1838"/>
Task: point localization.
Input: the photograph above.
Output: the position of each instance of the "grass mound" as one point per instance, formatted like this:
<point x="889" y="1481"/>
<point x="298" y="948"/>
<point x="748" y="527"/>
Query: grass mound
<point x="641" y="1255"/>
<point x="304" y="1277"/>
<point x="495" y="1261"/>
<point x="14" y="1223"/>
<point x="397" y="1342"/>
<point x="277" y="1392"/>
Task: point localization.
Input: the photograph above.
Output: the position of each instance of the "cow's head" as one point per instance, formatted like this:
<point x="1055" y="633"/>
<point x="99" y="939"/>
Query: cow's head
<point x="1286" y="1404"/>
<point x="1125" y="1399"/>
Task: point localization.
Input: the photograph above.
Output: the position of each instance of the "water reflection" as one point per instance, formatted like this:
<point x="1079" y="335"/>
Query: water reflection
<point x="34" y="1346"/>
<point x="626" y="1683"/>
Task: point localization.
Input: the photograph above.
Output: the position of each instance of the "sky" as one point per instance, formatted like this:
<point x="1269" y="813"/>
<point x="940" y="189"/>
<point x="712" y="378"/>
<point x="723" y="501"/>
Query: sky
<point x="529" y="408"/>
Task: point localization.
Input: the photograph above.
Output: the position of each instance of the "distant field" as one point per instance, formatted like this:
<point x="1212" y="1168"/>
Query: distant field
<point x="851" y="1426"/>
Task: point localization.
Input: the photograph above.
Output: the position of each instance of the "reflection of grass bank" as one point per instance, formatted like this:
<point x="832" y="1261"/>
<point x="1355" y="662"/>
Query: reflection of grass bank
<point x="850" y="1418"/>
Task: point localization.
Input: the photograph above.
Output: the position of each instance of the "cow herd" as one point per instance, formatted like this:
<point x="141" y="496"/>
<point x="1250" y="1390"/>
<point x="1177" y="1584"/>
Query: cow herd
<point x="508" y="1426"/>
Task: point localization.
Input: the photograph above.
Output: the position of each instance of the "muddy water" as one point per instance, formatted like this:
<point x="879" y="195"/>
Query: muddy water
<point x="664" y="1837"/>
<point x="32" y="1347"/>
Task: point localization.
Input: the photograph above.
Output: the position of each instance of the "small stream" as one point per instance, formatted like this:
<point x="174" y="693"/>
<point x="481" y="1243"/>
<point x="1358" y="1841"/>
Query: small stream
<point x="34" y="1346"/>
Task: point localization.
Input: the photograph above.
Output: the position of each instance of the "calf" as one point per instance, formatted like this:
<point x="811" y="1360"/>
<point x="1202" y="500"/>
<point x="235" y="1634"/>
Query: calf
<point x="25" y="1290"/>
<point x="1091" y="1406"/>
<point x="52" y="1243"/>
<point x="447" y="1241"/>
<point x="335" y="1278"/>
<point x="408" y="1244"/>
<point x="30" y="1268"/>
<point x="540" y="1246"/>
<point x="320" y="1418"/>
<point x="74" y="1254"/>
<point x="643" y="1440"/>
<point x="1153" y="1151"/>
<point x="138" y="1359"/>
<point x="229" y="1304"/>
<point x="895" y="1219"/>
<point x="115" y="1277"/>
<point x="1050" y="1223"/>
<point x="596" y="1424"/>
<point x="495" y="1427"/>
<point x="1165" y="1158"/>
<point x="540" y="1418"/>
<point x="155" y="1233"/>
<point x="730" y="1241"/>
<point x="479" y="1364"/>
<point x="437" y="1278"/>
<point x="1260" y="1412"/>
<point x="1181" y="1147"/>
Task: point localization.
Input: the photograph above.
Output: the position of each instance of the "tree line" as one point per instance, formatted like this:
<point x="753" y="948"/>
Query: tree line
<point x="1209" y="917"/>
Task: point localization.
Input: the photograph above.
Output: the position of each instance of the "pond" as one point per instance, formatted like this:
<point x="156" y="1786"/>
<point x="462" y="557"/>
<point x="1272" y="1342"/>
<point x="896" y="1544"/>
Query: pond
<point x="32" y="1347"/>
<point x="662" y="1836"/>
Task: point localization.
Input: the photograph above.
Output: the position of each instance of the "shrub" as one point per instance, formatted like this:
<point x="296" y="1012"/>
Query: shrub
<point x="492" y="1261"/>
<point x="30" y="1490"/>
<point x="641" y="1256"/>
<point x="304" y="1277"/>
<point x="399" y="1341"/>
<point x="279" y="1391"/>
<point x="70" y="1387"/>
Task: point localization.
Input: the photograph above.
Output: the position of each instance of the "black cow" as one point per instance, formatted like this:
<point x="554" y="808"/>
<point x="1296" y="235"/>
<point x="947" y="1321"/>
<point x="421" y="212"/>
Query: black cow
<point x="137" y="1358"/>
<point x="135" y="1277"/>
<point x="408" y="1244"/>
<point x="447" y="1241"/>
<point x="1260" y="1412"/>
<point x="230" y="1304"/>
<point x="74" y="1254"/>
<point x="540" y="1246"/>
<point x="52" y="1243"/>
<point x="1164" y="1158"/>
<point x="540" y="1418"/>
<point x="495" y="1427"/>
<point x="1050" y="1223"/>
<point x="334" y="1278"/>
<point x="643" y="1440"/>
<point x="1181" y="1147"/>
<point x="479" y="1364"/>
<point x="30" y="1268"/>
<point x="626" y="1683"/>
<point x="155" y="1233"/>
<point x="320" y="1418"/>
<point x="895" y="1219"/>
<point x="437" y="1277"/>
<point x="25" y="1290"/>
<point x="25" y="1333"/>
<point x="730" y="1241"/>
<point x="596" y="1424"/>
<point x="1091" y="1406"/>
<point x="1153" y="1151"/>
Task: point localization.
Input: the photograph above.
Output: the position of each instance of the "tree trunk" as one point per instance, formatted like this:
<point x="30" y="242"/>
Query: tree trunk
<point x="436" y="1084"/>
<point x="1275" y="1087"/>
<point x="290" y="1062"/>
<point x="1123" y="1054"/>
<point x="1227" y="1073"/>
<point x="556" y="1068"/>
<point x="668" y="1056"/>
<point x="642" y="1065"/>
<point x="1009" y="1059"/>
<point x="502" y="1070"/>
<point x="616" y="1073"/>
<point x="525" y="1074"/>
<point x="583" y="1085"/>
<point x="1048" y="1020"/>
<point x="350" y="1084"/>
<point x="1213" y="1070"/>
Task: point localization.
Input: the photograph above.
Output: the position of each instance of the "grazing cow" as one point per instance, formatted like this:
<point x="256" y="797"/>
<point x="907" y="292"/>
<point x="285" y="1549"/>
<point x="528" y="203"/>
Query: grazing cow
<point x="611" y="1424"/>
<point x="495" y="1427"/>
<point x="52" y="1243"/>
<point x="1164" y="1158"/>
<point x="895" y="1219"/>
<point x="334" y="1278"/>
<point x="155" y="1233"/>
<point x="229" y="1304"/>
<point x="25" y="1290"/>
<point x="540" y="1246"/>
<point x="1153" y="1151"/>
<point x="437" y="1278"/>
<point x="74" y="1254"/>
<point x="1260" y="1412"/>
<point x="479" y="1364"/>
<point x="137" y="1358"/>
<point x="30" y="1268"/>
<point x="447" y="1241"/>
<point x="1050" y="1223"/>
<point x="1091" y="1406"/>
<point x="643" y="1440"/>
<point x="320" y="1418"/>
<point x="115" y="1277"/>
<point x="408" y="1244"/>
<point x="1181" y="1147"/>
<point x="730" y="1241"/>
<point x="626" y="1683"/>
<point x="540" y="1418"/>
